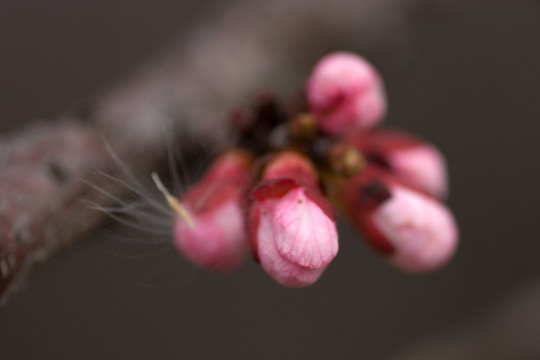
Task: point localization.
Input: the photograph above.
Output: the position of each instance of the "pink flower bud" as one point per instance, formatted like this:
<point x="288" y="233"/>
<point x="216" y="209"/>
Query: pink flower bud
<point x="292" y="227"/>
<point x="415" y="231"/>
<point x="413" y="161"/>
<point x="217" y="239"/>
<point x="345" y="92"/>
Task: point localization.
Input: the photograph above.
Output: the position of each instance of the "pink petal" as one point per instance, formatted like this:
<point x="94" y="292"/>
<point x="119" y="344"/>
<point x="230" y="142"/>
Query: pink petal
<point x="422" y="230"/>
<point x="219" y="239"/>
<point x="418" y="163"/>
<point x="345" y="92"/>
<point x="296" y="240"/>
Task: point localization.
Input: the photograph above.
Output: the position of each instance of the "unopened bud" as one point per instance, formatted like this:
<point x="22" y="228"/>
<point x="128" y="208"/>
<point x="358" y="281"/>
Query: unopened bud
<point x="303" y="126"/>
<point x="415" y="231"/>
<point x="345" y="160"/>
<point x="412" y="160"/>
<point x="345" y="92"/>
<point x="292" y="227"/>
<point x="218" y="239"/>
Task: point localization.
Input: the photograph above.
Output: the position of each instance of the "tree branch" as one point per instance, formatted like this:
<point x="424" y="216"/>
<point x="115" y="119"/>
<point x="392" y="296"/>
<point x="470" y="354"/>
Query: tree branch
<point x="43" y="167"/>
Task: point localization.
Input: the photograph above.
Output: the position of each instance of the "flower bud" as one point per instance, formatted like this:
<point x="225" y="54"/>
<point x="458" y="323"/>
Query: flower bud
<point x="415" y="231"/>
<point x="345" y="92"/>
<point x="292" y="227"/>
<point x="217" y="239"/>
<point x="417" y="163"/>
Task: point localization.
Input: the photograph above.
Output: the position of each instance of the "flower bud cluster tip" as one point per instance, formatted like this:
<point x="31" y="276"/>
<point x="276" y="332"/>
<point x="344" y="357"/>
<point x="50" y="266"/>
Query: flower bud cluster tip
<point x="276" y="191"/>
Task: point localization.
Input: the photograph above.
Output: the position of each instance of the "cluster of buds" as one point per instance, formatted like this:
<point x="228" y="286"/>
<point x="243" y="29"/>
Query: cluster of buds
<point x="274" y="192"/>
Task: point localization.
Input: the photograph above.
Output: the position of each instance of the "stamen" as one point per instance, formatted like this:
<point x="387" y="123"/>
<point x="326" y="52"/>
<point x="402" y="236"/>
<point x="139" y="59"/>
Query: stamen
<point x="173" y="202"/>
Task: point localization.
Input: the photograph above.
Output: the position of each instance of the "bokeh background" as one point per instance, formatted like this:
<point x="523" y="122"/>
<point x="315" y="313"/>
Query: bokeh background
<point x="464" y="75"/>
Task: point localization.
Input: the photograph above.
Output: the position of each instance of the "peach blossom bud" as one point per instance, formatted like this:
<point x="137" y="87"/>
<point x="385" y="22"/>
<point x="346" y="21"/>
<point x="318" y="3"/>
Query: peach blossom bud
<point x="292" y="227"/>
<point x="413" y="161"/>
<point x="218" y="239"/>
<point x="415" y="231"/>
<point x="345" y="92"/>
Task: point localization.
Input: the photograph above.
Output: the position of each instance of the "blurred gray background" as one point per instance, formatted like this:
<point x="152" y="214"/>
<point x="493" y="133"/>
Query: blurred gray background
<point x="464" y="75"/>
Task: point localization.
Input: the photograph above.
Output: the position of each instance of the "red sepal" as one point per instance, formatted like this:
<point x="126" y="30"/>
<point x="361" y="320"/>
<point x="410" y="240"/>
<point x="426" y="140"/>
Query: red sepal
<point x="374" y="238"/>
<point x="253" y="218"/>
<point x="273" y="189"/>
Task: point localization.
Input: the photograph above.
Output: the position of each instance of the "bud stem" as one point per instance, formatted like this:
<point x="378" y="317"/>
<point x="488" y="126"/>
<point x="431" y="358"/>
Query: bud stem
<point x="173" y="202"/>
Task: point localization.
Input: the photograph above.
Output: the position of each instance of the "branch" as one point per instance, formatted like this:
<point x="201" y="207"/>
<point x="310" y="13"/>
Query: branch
<point x="43" y="167"/>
